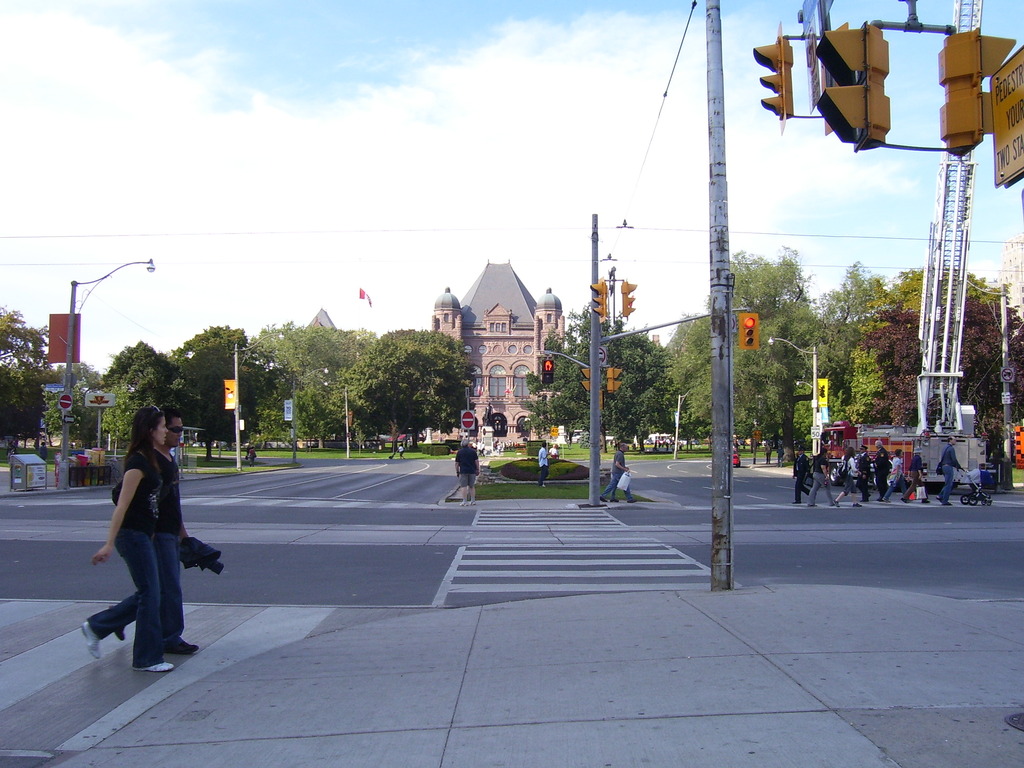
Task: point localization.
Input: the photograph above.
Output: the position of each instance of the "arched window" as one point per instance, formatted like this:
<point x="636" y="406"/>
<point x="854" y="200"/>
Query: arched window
<point x="496" y="381"/>
<point x="519" y="388"/>
<point x="478" y="382"/>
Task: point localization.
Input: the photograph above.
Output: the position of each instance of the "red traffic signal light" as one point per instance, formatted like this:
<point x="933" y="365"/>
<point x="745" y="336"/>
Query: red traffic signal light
<point x="547" y="371"/>
<point x="749" y="330"/>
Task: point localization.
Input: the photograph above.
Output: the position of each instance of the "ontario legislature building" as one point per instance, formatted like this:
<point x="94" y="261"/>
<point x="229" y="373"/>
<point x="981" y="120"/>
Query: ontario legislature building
<point x="502" y="329"/>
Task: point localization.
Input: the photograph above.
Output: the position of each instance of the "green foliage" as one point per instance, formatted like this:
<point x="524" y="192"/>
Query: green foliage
<point x="407" y="381"/>
<point x="138" y="376"/>
<point x="23" y="371"/>
<point x="529" y="471"/>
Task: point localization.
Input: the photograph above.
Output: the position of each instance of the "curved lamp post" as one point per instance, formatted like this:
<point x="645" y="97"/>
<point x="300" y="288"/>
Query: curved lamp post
<point x="69" y="378"/>
<point x="813" y="352"/>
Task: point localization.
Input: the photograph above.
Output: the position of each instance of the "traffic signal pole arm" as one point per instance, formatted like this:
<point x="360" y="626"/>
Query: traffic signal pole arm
<point x="567" y="357"/>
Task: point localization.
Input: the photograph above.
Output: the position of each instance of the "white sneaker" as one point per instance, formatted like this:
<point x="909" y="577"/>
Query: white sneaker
<point x="163" y="666"/>
<point x="92" y="642"/>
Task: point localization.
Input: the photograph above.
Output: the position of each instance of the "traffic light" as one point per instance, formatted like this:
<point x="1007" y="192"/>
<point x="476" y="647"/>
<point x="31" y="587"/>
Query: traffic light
<point x="778" y="57"/>
<point x="599" y="300"/>
<point x="855" y="107"/>
<point x="613" y="382"/>
<point x="586" y="378"/>
<point x="627" y="297"/>
<point x="749" y="330"/>
<point x="966" y="115"/>
<point x="547" y="371"/>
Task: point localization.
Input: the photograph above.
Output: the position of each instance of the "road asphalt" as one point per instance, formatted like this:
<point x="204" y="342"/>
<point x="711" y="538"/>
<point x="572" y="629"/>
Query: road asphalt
<point x="781" y="677"/>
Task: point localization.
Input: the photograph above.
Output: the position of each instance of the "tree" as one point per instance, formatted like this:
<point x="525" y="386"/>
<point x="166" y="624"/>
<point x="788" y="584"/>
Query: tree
<point x="205" y="361"/>
<point x="138" y="376"/>
<point x="308" y="365"/>
<point x="23" y="371"/>
<point x="407" y="381"/>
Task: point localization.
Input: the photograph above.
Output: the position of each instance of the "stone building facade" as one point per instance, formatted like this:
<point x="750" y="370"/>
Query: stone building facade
<point x="502" y="330"/>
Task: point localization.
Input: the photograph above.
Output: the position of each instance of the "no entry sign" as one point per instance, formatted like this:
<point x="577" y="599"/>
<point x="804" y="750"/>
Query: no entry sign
<point x="468" y="420"/>
<point x="65" y="402"/>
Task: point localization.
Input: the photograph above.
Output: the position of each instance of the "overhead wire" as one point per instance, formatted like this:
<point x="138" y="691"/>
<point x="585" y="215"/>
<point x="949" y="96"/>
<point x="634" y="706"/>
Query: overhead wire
<point x="657" y="120"/>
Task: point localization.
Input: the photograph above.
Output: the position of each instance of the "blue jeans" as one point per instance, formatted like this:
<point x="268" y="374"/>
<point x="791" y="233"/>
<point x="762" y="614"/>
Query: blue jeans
<point x="609" y="492"/>
<point x="898" y="483"/>
<point x="139" y="554"/>
<point x="172" y="613"/>
<point x="948" y="472"/>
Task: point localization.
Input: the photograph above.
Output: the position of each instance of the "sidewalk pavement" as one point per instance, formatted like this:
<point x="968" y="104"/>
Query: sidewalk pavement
<point x="790" y="677"/>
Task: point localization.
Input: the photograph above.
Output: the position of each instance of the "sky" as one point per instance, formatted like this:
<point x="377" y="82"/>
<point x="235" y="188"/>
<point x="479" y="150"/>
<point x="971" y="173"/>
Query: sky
<point x="274" y="158"/>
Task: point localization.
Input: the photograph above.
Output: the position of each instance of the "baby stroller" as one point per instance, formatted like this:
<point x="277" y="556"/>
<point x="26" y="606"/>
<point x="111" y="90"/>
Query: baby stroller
<point x="976" y="496"/>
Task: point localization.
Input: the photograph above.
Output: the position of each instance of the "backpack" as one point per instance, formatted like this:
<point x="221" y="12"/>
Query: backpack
<point x="842" y="469"/>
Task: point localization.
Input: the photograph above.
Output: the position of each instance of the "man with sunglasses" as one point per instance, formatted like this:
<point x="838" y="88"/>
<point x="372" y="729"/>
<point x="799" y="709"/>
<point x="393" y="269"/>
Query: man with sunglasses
<point x="170" y="530"/>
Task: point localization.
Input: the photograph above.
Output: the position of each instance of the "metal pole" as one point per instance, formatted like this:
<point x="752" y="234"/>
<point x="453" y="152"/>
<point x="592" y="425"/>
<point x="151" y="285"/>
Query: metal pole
<point x="595" y="381"/>
<point x="1007" y="472"/>
<point x="815" y="413"/>
<point x="721" y="314"/>
<point x="238" y="407"/>
<point x="675" y="441"/>
<point x="348" y="429"/>
<point x="69" y="383"/>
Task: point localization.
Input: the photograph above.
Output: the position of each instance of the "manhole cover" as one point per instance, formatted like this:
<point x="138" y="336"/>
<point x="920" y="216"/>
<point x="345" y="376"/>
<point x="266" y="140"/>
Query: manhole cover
<point x="1017" y="720"/>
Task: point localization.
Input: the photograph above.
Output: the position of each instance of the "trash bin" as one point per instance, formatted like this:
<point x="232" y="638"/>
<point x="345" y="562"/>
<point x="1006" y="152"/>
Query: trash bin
<point x="28" y="472"/>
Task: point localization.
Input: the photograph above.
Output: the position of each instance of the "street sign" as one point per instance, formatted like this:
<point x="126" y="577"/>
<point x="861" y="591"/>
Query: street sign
<point x="65" y="402"/>
<point x="287" y="410"/>
<point x="100" y="399"/>
<point x="54" y="387"/>
<point x="468" y="420"/>
<point x="1007" y="398"/>
<point x="602" y="355"/>
<point x="1008" y="374"/>
<point x="1007" y="87"/>
<point x="816" y="431"/>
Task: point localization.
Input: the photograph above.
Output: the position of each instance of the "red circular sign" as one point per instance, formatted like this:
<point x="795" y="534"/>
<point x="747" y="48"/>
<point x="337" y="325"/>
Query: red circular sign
<point x="65" y="402"/>
<point x="468" y="420"/>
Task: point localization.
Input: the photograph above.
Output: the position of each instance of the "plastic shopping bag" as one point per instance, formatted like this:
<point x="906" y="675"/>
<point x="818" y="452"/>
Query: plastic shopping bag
<point x="623" y="484"/>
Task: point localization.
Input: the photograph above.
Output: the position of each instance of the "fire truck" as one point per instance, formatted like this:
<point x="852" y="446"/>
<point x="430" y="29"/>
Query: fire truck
<point x="970" y="451"/>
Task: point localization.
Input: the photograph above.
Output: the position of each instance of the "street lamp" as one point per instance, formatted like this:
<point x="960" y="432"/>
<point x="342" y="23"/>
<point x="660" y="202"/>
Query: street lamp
<point x="816" y="414"/>
<point x="69" y="378"/>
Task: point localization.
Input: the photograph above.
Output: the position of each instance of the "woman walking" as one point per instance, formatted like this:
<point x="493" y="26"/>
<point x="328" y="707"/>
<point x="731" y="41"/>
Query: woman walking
<point x="132" y="527"/>
<point x="896" y="478"/>
<point x="819" y="474"/>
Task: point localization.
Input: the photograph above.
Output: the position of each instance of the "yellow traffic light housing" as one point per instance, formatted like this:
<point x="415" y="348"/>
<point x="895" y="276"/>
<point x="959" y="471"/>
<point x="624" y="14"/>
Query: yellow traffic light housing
<point x="627" y="297"/>
<point x="778" y="57"/>
<point x="966" y="58"/>
<point x="612" y="382"/>
<point x="586" y="378"/>
<point x="599" y="299"/>
<point x="855" y="107"/>
<point x="749" y="330"/>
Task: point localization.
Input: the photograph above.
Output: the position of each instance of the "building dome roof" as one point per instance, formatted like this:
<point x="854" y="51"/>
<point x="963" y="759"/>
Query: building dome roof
<point x="447" y="300"/>
<point x="549" y="301"/>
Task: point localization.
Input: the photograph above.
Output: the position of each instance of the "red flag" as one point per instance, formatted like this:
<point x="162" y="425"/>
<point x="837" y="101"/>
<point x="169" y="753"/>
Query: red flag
<point x="364" y="295"/>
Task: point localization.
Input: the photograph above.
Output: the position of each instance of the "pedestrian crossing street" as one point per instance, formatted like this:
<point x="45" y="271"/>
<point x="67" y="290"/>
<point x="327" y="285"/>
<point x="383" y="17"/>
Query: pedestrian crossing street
<point x="522" y="569"/>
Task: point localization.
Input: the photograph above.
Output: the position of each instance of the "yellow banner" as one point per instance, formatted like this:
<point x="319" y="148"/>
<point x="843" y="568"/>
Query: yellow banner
<point x="230" y="389"/>
<point x="823" y="393"/>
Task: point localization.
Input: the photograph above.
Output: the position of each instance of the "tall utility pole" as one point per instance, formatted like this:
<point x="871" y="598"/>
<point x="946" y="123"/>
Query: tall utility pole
<point x="595" y="380"/>
<point x="721" y="315"/>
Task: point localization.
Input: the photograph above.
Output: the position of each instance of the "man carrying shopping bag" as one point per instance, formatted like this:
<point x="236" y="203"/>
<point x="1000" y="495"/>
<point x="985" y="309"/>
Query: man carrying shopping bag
<point x="620" y="477"/>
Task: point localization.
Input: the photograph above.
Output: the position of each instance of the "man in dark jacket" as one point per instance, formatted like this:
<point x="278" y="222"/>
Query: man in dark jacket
<point x="801" y="467"/>
<point x="883" y="466"/>
<point x="948" y="465"/>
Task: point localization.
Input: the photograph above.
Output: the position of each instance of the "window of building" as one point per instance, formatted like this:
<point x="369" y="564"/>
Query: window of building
<point x="468" y="349"/>
<point x="519" y="388"/>
<point x="527" y="349"/>
<point x="498" y="327"/>
<point x="496" y="381"/>
<point x="482" y="349"/>
<point x="512" y="349"/>
<point x="478" y="381"/>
